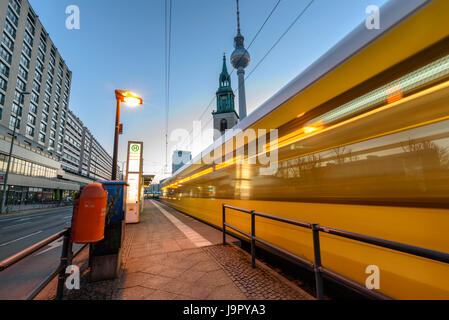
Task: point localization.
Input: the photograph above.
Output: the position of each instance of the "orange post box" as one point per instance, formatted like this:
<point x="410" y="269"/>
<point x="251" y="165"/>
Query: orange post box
<point x="89" y="214"/>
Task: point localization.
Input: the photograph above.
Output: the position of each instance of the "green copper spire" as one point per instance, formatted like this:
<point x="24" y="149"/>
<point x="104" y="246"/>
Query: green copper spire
<point x="225" y="79"/>
<point x="225" y="95"/>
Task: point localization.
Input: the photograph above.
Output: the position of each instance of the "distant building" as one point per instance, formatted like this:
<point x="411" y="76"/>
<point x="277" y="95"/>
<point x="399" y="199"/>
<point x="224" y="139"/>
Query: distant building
<point x="225" y="116"/>
<point x="179" y="159"/>
<point x="83" y="155"/>
<point x="52" y="153"/>
<point x="30" y="62"/>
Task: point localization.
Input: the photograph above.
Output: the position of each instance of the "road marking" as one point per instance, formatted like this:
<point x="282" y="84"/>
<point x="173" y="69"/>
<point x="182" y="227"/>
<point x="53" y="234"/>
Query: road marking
<point x="55" y="244"/>
<point x="191" y="234"/>
<point x="30" y="235"/>
<point x="14" y="225"/>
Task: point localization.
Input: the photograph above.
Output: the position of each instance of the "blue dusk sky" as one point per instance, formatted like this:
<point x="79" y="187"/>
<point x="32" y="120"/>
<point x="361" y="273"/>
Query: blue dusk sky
<point x="121" y="45"/>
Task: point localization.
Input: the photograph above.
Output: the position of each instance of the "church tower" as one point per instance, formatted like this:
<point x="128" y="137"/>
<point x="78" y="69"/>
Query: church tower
<point x="225" y="116"/>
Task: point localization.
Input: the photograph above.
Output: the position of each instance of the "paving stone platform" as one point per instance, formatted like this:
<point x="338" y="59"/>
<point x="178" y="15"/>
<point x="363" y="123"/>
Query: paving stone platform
<point x="171" y="256"/>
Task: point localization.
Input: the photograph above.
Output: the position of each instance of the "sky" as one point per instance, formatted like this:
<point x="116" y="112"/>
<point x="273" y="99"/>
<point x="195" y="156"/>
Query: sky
<point x="121" y="45"/>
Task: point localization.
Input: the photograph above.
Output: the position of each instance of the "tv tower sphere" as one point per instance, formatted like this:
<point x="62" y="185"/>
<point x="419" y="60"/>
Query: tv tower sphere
<point x="240" y="57"/>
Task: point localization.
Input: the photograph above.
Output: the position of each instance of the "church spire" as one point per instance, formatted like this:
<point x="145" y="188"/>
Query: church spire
<point x="225" y="78"/>
<point x="225" y="94"/>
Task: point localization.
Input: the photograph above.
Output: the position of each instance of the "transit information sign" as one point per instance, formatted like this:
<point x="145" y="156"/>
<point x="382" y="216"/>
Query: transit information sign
<point x="134" y="179"/>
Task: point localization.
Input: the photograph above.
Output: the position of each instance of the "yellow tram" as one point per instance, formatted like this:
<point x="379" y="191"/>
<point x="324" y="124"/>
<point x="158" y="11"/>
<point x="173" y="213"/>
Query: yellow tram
<point x="363" y="146"/>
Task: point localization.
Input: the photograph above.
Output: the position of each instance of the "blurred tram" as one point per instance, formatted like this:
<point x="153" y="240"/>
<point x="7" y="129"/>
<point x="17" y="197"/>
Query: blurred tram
<point x="363" y="147"/>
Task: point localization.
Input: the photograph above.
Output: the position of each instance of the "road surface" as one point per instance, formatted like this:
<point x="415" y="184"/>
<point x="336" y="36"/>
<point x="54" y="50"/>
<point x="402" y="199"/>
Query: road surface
<point x="20" y="232"/>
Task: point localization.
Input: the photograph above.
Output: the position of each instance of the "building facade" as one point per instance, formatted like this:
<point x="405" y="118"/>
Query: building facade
<point x="30" y="62"/>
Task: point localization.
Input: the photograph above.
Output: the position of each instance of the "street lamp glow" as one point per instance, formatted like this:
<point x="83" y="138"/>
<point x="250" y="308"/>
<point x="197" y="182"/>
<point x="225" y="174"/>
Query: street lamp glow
<point x="128" y="97"/>
<point x="132" y="102"/>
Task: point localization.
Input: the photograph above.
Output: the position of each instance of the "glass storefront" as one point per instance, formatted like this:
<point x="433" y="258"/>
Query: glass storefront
<point x="17" y="195"/>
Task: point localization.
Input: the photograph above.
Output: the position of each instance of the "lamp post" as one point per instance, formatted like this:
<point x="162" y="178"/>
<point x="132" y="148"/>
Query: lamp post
<point x="5" y="180"/>
<point x="132" y="100"/>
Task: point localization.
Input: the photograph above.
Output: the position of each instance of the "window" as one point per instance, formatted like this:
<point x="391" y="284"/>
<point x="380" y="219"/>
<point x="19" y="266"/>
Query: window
<point x="32" y="18"/>
<point x="40" y="66"/>
<point x="53" y="124"/>
<point x="12" y="121"/>
<point x="3" y="84"/>
<point x="18" y="97"/>
<point x="44" y="117"/>
<point x="36" y="86"/>
<point x="47" y="97"/>
<point x="7" y="41"/>
<point x="11" y="30"/>
<point x="4" y="69"/>
<point x="2" y="100"/>
<point x="16" y="109"/>
<point x="223" y="125"/>
<point x="52" y="134"/>
<point x="31" y="119"/>
<point x="33" y="108"/>
<point x="46" y="107"/>
<point x="16" y="6"/>
<point x="11" y="15"/>
<point x="26" y="49"/>
<point x="30" y="27"/>
<point x="5" y="54"/>
<point x="43" y="127"/>
<point x="41" y="138"/>
<point x="49" y="78"/>
<point x="28" y="38"/>
<point x="52" y="59"/>
<point x="24" y="61"/>
<point x="37" y="75"/>
<point x="23" y="73"/>
<point x="41" y="55"/>
<point x="48" y="88"/>
<point x="42" y="45"/>
<point x="30" y="131"/>
<point x="21" y="85"/>
<point x="35" y="97"/>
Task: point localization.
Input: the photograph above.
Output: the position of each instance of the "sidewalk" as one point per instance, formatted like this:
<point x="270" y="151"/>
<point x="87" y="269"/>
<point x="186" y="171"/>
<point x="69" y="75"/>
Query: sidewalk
<point x="169" y="255"/>
<point x="25" y="209"/>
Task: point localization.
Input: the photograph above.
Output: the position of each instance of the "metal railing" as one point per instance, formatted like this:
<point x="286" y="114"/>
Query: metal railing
<point x="316" y="266"/>
<point x="66" y="260"/>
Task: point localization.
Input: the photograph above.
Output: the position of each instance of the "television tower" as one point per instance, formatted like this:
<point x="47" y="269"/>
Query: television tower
<point x="240" y="60"/>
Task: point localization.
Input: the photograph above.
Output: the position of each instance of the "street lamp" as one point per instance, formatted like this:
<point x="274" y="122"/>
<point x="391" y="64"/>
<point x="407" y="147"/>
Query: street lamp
<point x="5" y="180"/>
<point x="130" y="99"/>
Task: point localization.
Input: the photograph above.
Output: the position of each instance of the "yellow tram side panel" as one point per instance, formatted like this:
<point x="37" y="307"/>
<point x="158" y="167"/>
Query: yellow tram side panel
<point x="402" y="276"/>
<point x="418" y="32"/>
